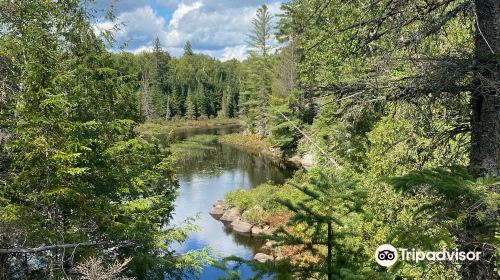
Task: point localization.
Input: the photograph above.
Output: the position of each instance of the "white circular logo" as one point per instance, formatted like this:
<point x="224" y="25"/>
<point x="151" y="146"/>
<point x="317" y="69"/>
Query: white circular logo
<point x="386" y="255"/>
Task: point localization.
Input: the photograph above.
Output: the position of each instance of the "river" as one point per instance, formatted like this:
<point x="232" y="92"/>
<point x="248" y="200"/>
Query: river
<point x="215" y="170"/>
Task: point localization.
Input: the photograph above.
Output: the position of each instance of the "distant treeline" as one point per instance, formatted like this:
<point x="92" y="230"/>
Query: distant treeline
<point x="194" y="86"/>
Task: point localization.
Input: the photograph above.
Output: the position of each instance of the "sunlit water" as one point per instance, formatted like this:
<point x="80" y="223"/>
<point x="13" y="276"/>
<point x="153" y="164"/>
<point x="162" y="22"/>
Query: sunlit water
<point x="215" y="170"/>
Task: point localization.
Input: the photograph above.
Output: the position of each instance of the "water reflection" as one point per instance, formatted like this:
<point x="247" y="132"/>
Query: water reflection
<point x="205" y="176"/>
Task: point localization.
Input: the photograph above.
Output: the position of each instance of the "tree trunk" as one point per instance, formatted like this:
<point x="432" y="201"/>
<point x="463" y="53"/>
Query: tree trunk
<point x="485" y="138"/>
<point x="485" y="122"/>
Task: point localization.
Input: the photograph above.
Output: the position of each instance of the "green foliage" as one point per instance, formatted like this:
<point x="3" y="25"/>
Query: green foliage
<point x="79" y="174"/>
<point x="166" y="82"/>
<point x="465" y="206"/>
<point x="262" y="197"/>
<point x="190" y="106"/>
<point x="257" y="86"/>
<point x="332" y="205"/>
<point x="188" y="50"/>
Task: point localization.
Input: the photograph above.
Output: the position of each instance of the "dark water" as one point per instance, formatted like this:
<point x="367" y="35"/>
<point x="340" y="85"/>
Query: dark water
<point x="205" y="177"/>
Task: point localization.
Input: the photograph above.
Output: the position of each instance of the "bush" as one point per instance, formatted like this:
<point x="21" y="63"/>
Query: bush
<point x="256" y="216"/>
<point x="264" y="196"/>
<point x="241" y="199"/>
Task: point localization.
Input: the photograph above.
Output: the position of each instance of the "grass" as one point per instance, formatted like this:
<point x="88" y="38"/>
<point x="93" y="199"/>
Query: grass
<point x="164" y="127"/>
<point x="193" y="147"/>
<point x="250" y="143"/>
<point x="203" y="139"/>
<point x="260" y="205"/>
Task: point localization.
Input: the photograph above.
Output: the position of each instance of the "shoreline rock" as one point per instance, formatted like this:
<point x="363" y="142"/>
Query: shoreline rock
<point x="262" y="258"/>
<point x="233" y="219"/>
<point x="242" y="227"/>
<point x="307" y="161"/>
<point x="229" y="215"/>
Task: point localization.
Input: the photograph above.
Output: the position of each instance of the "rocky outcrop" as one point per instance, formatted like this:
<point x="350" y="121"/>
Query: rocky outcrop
<point x="257" y="230"/>
<point x="269" y="245"/>
<point x="230" y="215"/>
<point x="217" y="211"/>
<point x="307" y="161"/>
<point x="242" y="227"/>
<point x="262" y="258"/>
<point x="232" y="218"/>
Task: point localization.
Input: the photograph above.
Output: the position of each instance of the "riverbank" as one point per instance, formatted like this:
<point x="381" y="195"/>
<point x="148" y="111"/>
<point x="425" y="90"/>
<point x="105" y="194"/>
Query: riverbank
<point x="257" y="213"/>
<point x="233" y="219"/>
<point x="165" y="127"/>
<point x="255" y="144"/>
<point x="207" y="170"/>
<point x="251" y="143"/>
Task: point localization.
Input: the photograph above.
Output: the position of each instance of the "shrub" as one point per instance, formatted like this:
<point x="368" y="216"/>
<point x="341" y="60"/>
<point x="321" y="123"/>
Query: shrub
<point x="256" y="216"/>
<point x="241" y="199"/>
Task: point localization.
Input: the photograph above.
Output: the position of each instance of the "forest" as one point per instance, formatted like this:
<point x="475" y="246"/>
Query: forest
<point x="390" y="109"/>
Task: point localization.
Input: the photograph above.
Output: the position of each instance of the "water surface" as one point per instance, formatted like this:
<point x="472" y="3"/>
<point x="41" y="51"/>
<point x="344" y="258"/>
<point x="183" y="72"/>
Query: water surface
<point x="205" y="176"/>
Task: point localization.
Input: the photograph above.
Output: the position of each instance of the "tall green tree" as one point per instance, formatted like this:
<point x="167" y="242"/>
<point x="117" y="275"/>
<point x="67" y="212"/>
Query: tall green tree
<point x="190" y="106"/>
<point x="188" y="49"/>
<point x="393" y="79"/>
<point x="319" y="222"/>
<point x="257" y="89"/>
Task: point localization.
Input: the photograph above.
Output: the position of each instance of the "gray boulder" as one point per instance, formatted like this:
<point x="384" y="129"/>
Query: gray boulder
<point x="262" y="258"/>
<point x="230" y="215"/>
<point x="269" y="244"/>
<point x="256" y="231"/>
<point x="217" y="212"/>
<point x="308" y="161"/>
<point x="241" y="227"/>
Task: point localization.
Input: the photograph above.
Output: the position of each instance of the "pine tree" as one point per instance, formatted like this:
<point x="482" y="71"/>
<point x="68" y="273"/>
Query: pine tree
<point x="200" y="101"/>
<point x="261" y="32"/>
<point x="174" y="103"/>
<point x="159" y="83"/>
<point x="318" y="220"/>
<point x="188" y="50"/>
<point x="289" y="109"/>
<point x="226" y="110"/>
<point x="190" y="106"/>
<point x="259" y="85"/>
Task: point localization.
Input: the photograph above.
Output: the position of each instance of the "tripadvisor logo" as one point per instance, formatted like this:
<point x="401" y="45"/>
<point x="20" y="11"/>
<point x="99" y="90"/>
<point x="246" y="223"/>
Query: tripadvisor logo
<point x="386" y="255"/>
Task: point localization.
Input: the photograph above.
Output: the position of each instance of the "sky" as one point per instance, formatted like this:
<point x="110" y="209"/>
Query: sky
<point x="218" y="28"/>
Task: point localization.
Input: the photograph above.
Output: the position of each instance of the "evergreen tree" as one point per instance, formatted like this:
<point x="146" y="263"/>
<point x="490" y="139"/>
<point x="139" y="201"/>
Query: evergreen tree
<point x="261" y="32"/>
<point x="226" y="110"/>
<point x="318" y="223"/>
<point x="174" y="103"/>
<point x="200" y="101"/>
<point x="188" y="50"/>
<point x="466" y="205"/>
<point x="160" y="79"/>
<point x="190" y="106"/>
<point x="259" y="85"/>
<point x="289" y="107"/>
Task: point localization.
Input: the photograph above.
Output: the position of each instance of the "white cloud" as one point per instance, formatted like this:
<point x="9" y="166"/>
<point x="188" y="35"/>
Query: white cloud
<point x="141" y="23"/>
<point x="141" y="49"/>
<point x="216" y="27"/>
<point x="181" y="11"/>
<point x="137" y="26"/>
<point x="237" y="52"/>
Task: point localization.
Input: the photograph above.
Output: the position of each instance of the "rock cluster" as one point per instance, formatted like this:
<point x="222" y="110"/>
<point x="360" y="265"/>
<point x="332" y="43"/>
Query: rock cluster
<point x="233" y="219"/>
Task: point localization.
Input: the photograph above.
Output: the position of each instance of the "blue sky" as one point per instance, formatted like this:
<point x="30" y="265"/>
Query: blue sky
<point x="215" y="27"/>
